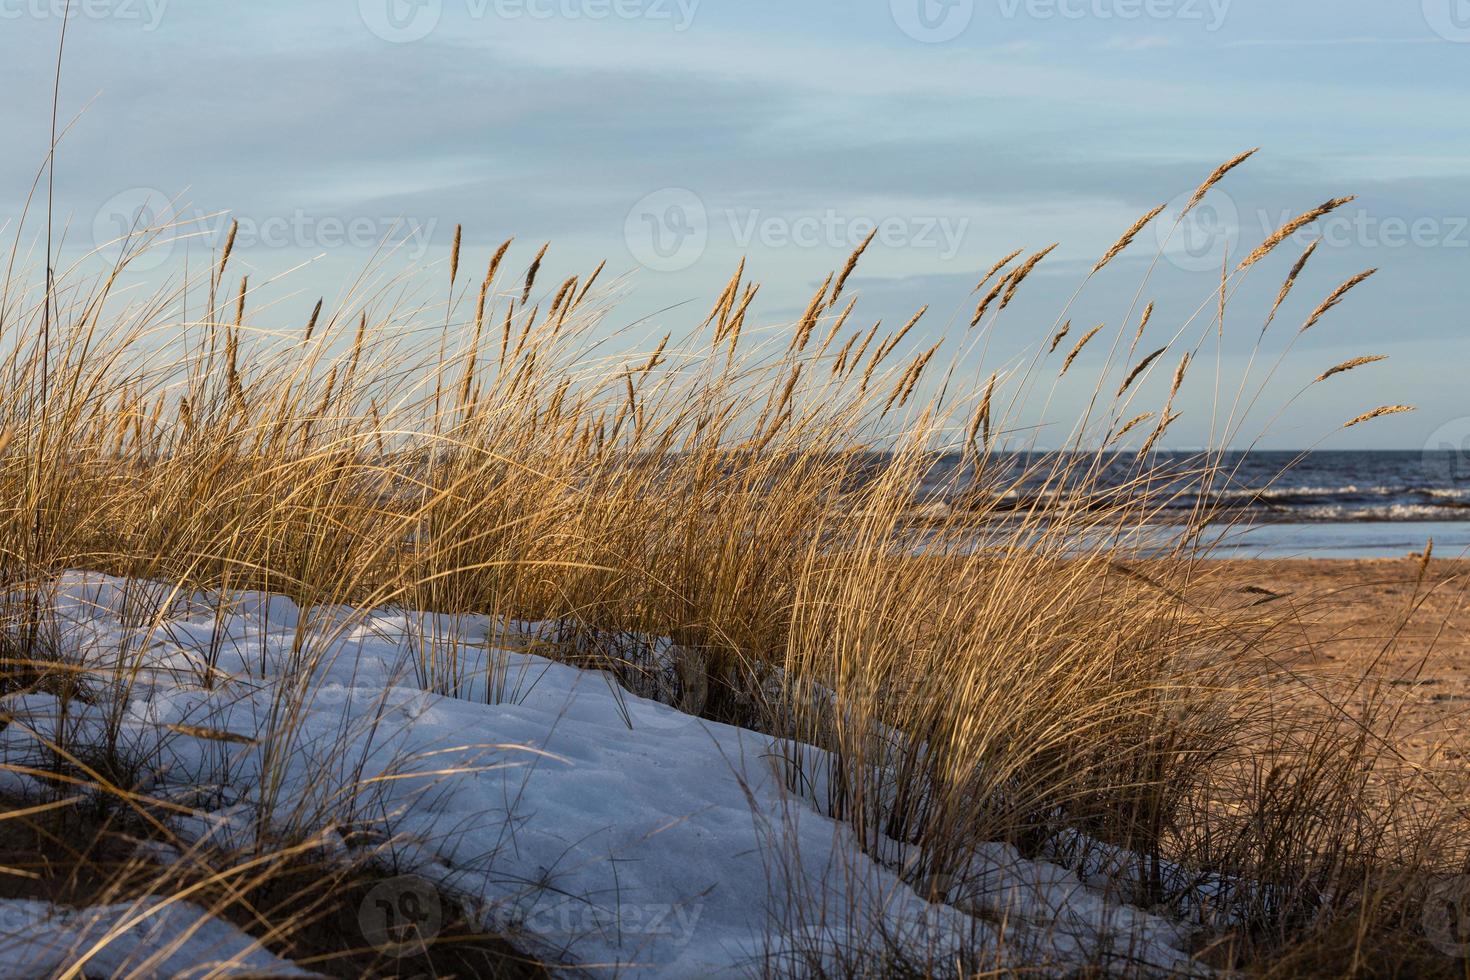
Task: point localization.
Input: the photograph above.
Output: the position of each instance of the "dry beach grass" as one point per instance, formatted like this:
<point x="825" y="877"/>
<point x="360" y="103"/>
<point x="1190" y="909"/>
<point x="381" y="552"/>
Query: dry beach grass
<point x="487" y="453"/>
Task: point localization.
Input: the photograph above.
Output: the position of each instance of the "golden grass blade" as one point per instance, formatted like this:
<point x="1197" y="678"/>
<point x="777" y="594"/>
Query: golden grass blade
<point x="1290" y="281"/>
<point x="885" y="349"/>
<point x="1139" y="368"/>
<point x="1335" y="298"/>
<point x="1077" y="348"/>
<point x="316" y="312"/>
<point x="852" y="262"/>
<point x="984" y="413"/>
<point x="496" y="259"/>
<point x="591" y="280"/>
<point x="1178" y="380"/>
<point x="1215" y="178"/>
<point x="1349" y="365"/>
<point x="1133" y="423"/>
<point x="1163" y="426"/>
<point x="1378" y="413"/>
<point x="721" y="310"/>
<point x="808" y="321"/>
<point x="1023" y="271"/>
<point x="454" y="255"/>
<point x="994" y="269"/>
<point x="535" y="267"/>
<point x="989" y="298"/>
<point x="1127" y="239"/>
<point x="1060" y="335"/>
<point x="224" y="259"/>
<point x="1143" y="321"/>
<point x="1291" y="228"/>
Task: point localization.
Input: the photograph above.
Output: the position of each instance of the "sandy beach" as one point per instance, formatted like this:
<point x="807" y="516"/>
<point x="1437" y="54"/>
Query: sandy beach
<point x="1404" y="628"/>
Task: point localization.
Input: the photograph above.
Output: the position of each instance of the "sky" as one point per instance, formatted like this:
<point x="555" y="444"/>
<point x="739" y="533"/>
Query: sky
<point x="673" y="137"/>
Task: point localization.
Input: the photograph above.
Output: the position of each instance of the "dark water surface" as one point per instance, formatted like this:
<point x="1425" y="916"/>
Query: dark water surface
<point x="1332" y="504"/>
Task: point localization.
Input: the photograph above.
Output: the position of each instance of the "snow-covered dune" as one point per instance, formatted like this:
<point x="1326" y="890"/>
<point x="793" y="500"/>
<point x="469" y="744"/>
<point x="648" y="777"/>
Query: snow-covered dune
<point x="593" y="827"/>
<point x="151" y="938"/>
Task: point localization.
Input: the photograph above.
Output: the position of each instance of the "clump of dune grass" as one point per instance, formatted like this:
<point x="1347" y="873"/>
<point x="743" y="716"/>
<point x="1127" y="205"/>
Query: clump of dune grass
<point x="1033" y="673"/>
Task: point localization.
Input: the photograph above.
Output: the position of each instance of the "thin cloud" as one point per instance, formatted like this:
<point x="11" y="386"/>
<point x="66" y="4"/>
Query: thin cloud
<point x="1329" y="42"/>
<point x="1149" y="42"/>
<point x="1019" y="47"/>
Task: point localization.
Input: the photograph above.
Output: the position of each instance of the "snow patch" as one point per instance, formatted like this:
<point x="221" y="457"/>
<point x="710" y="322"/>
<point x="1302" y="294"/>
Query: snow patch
<point x="592" y="825"/>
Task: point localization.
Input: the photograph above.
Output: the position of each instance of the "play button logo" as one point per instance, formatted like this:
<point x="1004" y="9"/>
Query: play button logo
<point x="401" y="21"/>
<point x="933" y="21"/>
<point x="1450" y="19"/>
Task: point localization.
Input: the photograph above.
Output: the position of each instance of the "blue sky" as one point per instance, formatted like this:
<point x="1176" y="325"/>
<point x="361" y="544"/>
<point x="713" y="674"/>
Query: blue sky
<point x="673" y="136"/>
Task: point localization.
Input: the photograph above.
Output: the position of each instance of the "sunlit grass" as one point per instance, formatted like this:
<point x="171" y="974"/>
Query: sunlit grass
<point x="983" y="671"/>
